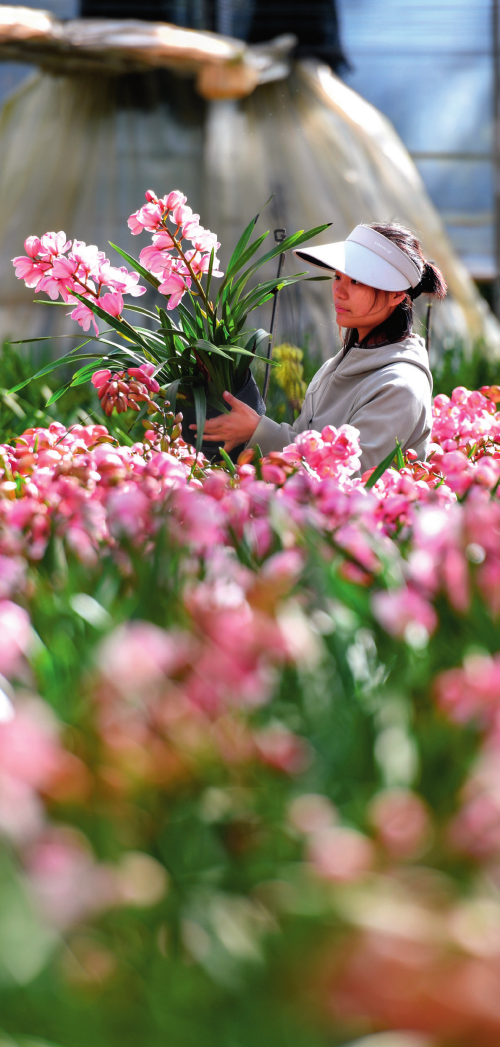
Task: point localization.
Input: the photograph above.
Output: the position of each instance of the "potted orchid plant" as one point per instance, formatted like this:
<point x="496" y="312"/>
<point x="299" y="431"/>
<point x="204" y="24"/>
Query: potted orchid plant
<point x="192" y="356"/>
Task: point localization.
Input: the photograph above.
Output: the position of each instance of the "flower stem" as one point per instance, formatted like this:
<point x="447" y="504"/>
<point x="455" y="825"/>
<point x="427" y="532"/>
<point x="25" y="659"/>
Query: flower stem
<point x="208" y="305"/>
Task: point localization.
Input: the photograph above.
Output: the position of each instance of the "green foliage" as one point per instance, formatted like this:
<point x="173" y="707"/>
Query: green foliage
<point x="458" y="367"/>
<point x="22" y="411"/>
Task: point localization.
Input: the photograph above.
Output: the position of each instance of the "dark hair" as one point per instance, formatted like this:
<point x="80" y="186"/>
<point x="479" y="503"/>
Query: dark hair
<point x="432" y="282"/>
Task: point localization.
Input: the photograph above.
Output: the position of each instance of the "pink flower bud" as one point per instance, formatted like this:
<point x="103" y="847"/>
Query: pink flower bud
<point x="32" y="246"/>
<point x="100" y="378"/>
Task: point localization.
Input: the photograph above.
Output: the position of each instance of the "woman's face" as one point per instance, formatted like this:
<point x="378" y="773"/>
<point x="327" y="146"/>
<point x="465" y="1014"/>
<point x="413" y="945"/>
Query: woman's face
<point x="358" y="305"/>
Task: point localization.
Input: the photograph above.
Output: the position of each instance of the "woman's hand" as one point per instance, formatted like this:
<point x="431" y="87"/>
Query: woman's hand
<point x="234" y="428"/>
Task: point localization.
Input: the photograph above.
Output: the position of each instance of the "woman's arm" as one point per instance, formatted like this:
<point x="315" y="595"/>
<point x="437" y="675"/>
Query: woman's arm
<point x="244" y="426"/>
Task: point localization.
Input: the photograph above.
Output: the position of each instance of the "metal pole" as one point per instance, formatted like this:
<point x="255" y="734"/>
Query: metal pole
<point x="224" y="17"/>
<point x="495" y="13"/>
<point x="279" y="236"/>
<point x="428" y="327"/>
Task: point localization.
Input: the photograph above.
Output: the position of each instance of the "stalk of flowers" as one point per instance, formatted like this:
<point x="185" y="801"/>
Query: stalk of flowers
<point x="59" y="267"/>
<point x="121" y="390"/>
<point x="178" y="268"/>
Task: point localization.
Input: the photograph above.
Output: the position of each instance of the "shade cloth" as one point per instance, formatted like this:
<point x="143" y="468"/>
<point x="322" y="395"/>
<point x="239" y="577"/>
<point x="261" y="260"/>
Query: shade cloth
<point x="78" y="152"/>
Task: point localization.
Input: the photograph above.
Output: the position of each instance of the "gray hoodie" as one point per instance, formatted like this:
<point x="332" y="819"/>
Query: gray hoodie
<point x="384" y="391"/>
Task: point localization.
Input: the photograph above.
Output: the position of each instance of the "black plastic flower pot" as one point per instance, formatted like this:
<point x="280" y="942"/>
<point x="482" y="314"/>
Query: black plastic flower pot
<point x="248" y="394"/>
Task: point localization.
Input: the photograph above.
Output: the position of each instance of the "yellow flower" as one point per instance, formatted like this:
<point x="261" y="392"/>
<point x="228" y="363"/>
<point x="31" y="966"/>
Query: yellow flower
<point x="289" y="373"/>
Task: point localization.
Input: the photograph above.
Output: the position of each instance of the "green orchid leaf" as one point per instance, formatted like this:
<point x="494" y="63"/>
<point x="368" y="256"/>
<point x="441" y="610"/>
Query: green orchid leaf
<point x="214" y="401"/>
<point x="52" y="367"/>
<point x="209" y="347"/>
<point x="171" y="393"/>
<point x="291" y="242"/>
<point x="263" y="293"/>
<point x="140" y="309"/>
<point x="122" y="326"/>
<point x="386" y="463"/>
<point x="189" y="323"/>
<point x="41" y="338"/>
<point x="210" y="271"/>
<point x="226" y="459"/>
<point x="245" y="257"/>
<point x="57" y="395"/>
<point x="200" y="407"/>
<point x="137" y="266"/>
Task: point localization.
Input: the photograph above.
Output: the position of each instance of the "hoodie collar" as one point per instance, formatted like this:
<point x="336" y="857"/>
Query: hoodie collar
<point x="362" y="359"/>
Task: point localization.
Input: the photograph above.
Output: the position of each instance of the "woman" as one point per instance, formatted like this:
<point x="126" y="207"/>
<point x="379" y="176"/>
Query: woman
<point x="380" y="381"/>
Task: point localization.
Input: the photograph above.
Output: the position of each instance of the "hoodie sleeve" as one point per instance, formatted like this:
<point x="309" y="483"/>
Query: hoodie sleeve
<point x="271" y="436"/>
<point x="395" y="411"/>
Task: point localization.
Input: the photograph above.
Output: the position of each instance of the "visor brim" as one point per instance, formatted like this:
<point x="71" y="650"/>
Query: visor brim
<point x="357" y="262"/>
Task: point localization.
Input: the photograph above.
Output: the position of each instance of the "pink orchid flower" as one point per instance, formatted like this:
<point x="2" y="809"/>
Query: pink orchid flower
<point x="156" y="259"/>
<point x="112" y="303"/>
<point x="175" y="286"/>
<point x="85" y="317"/>
<point x="29" y="271"/>
<point x="148" y="217"/>
<point x="174" y="199"/>
<point x="120" y="279"/>
<point x="53" y="244"/>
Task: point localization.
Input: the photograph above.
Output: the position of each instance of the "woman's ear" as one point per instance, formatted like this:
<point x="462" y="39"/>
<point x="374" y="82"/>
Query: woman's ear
<point x="396" y="297"/>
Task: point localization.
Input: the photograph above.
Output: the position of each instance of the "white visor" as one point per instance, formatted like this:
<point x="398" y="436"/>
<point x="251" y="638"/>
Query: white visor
<point x="366" y="256"/>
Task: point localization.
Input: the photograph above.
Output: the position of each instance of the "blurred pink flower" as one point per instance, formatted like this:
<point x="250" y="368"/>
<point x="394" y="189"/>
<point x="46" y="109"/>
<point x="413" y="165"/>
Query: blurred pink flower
<point x="66" y="882"/>
<point x="32" y="246"/>
<point x="402" y="822"/>
<point x="398" y="609"/>
<point x="472" y="690"/>
<point x="29" y="746"/>
<point x="280" y="748"/>
<point x="15" y="635"/>
<point x="340" y="854"/>
<point x="120" y="280"/>
<point x="138" y="655"/>
<point x="312" y="813"/>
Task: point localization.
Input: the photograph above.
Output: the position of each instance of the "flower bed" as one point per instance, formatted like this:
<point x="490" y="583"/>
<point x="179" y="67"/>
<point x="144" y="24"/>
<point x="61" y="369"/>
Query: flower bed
<point x="249" y="737"/>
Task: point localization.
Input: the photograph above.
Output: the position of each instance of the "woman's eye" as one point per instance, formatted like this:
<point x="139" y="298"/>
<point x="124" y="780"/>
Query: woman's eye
<point x="354" y="281"/>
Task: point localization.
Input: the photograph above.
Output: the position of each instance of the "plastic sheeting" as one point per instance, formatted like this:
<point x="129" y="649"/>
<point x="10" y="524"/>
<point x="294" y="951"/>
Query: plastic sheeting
<point x="79" y="152"/>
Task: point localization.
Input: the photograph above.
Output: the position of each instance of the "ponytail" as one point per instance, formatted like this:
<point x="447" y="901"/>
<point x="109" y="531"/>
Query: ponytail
<point x="432" y="282"/>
